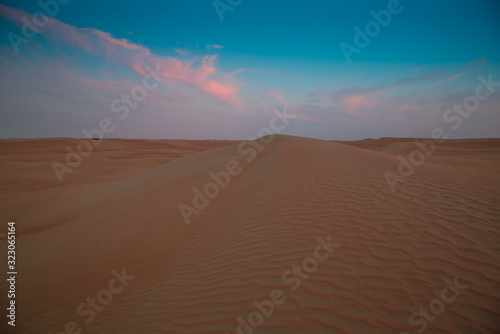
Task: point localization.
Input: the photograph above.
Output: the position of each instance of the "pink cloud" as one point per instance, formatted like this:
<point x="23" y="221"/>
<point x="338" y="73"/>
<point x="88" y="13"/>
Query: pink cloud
<point x="137" y="57"/>
<point x="357" y="103"/>
<point x="353" y="101"/>
<point x="224" y="92"/>
<point x="411" y="114"/>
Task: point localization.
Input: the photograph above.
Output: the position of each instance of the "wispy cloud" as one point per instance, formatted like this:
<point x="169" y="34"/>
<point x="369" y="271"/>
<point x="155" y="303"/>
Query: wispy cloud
<point x="203" y="76"/>
<point x="395" y="107"/>
<point x="214" y="46"/>
<point x="471" y="66"/>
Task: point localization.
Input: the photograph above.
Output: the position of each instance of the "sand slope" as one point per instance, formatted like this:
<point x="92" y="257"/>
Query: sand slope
<point x="119" y="209"/>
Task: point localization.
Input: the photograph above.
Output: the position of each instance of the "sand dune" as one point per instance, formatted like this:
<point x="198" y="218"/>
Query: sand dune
<point x="394" y="251"/>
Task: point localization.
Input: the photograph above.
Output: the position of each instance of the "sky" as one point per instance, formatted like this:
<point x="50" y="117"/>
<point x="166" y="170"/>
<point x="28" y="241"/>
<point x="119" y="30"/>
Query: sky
<point x="205" y="69"/>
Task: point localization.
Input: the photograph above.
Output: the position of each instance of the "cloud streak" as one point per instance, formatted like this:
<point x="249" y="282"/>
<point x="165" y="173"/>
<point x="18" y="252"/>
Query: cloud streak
<point x="200" y="75"/>
<point x="385" y="107"/>
<point x="214" y="46"/>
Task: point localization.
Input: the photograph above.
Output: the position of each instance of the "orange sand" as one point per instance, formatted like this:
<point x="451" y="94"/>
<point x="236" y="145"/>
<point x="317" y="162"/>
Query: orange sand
<point x="119" y="209"/>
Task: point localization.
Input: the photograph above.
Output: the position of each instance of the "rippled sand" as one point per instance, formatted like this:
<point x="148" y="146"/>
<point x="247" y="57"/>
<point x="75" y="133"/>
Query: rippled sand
<point x="120" y="209"/>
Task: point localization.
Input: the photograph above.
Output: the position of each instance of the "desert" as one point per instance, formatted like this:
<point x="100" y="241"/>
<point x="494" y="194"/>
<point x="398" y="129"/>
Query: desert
<point x="322" y="235"/>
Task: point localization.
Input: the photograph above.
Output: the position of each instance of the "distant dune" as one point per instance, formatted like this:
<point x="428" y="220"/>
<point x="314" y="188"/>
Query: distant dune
<point x="390" y="252"/>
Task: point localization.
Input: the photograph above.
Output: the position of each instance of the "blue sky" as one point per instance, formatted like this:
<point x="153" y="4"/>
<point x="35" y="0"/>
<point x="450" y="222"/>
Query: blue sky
<point x="225" y="76"/>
